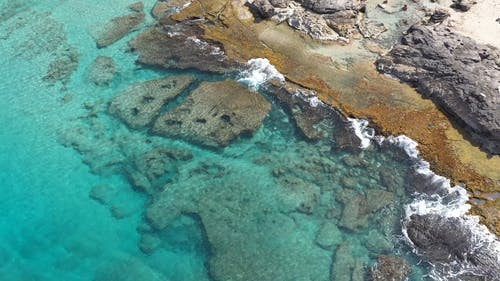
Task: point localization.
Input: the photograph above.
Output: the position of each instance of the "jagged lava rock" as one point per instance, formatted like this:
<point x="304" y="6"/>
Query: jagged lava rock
<point x="140" y="103"/>
<point x="448" y="240"/>
<point x="390" y="268"/>
<point x="102" y="71"/>
<point x="332" y="6"/>
<point x="458" y="74"/>
<point x="214" y="114"/>
<point x="117" y="28"/>
<point x="180" y="47"/>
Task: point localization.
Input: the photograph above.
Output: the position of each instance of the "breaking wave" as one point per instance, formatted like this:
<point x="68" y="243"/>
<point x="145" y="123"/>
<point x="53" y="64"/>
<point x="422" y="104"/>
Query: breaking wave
<point x="259" y="72"/>
<point x="437" y="198"/>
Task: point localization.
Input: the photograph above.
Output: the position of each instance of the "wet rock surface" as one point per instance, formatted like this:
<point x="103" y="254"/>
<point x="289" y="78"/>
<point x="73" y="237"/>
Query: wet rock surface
<point x="390" y="268"/>
<point x="458" y="74"/>
<point x="102" y="71"/>
<point x="141" y="103"/>
<point x="180" y="46"/>
<point x="448" y="243"/>
<point x="214" y="114"/>
<point x="118" y="28"/>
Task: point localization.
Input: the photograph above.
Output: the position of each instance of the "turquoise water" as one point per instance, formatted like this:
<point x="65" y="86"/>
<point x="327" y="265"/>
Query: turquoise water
<point x="269" y="207"/>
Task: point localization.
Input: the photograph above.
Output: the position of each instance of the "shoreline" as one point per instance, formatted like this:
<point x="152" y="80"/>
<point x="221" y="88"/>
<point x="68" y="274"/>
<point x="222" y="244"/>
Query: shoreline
<point x="393" y="107"/>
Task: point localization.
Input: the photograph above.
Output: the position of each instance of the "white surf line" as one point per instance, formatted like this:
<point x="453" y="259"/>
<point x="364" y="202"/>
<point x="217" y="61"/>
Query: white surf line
<point x="259" y="72"/>
<point x="452" y="204"/>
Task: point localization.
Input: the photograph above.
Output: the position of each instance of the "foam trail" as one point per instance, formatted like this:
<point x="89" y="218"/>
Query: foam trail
<point x="362" y="131"/>
<point x="449" y="202"/>
<point x="259" y="72"/>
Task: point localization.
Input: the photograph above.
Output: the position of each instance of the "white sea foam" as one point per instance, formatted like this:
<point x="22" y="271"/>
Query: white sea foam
<point x="260" y="71"/>
<point x="449" y="202"/>
<point x="362" y="131"/>
<point x="214" y="50"/>
<point x="309" y="96"/>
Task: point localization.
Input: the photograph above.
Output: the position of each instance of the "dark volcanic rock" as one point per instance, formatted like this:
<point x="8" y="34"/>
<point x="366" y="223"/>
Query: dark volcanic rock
<point x="448" y="241"/>
<point x="102" y="71"/>
<point x="439" y="15"/>
<point x="117" y="28"/>
<point x="332" y="6"/>
<point x="460" y="75"/>
<point x="180" y="47"/>
<point x="463" y="5"/>
<point x="214" y="114"/>
<point x="140" y="103"/>
<point x="390" y="269"/>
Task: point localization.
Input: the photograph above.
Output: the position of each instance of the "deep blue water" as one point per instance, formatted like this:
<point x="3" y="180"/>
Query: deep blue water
<point x="238" y="218"/>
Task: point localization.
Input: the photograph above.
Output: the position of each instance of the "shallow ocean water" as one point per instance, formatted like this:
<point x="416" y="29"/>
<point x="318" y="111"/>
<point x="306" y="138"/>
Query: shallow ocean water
<point x="269" y="207"/>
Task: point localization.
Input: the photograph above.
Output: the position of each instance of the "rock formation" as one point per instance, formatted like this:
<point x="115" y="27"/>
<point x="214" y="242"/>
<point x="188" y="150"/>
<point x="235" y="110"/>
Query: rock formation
<point x="458" y="74"/>
<point x="390" y="268"/>
<point x="448" y="242"/>
<point x="102" y="71"/>
<point x="141" y="103"/>
<point x="117" y="28"/>
<point x="215" y="114"/>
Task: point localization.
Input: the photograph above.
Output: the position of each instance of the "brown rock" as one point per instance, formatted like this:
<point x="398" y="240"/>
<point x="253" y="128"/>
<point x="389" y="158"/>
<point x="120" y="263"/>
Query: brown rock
<point x="117" y="28"/>
<point x="180" y="48"/>
<point x="214" y="114"/>
<point x="136" y="7"/>
<point x="390" y="268"/>
<point x="140" y="103"/>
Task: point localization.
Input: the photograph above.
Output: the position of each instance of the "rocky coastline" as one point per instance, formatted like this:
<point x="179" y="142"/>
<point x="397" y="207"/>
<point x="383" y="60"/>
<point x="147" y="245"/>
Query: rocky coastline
<point x="459" y="75"/>
<point x="331" y="57"/>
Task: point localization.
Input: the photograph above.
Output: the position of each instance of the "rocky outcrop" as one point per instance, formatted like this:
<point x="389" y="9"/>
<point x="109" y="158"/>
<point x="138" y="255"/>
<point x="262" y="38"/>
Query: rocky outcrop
<point x="215" y="114"/>
<point x="462" y="5"/>
<point x="141" y="103"/>
<point x="448" y="241"/>
<point x="117" y="28"/>
<point x="458" y="74"/>
<point x="327" y="20"/>
<point x="180" y="47"/>
<point x="164" y="8"/>
<point x="102" y="71"/>
<point x="390" y="268"/>
<point x="333" y="6"/>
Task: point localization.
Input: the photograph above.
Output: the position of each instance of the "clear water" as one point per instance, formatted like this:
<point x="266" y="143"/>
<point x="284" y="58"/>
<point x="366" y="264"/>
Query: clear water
<point x="233" y="214"/>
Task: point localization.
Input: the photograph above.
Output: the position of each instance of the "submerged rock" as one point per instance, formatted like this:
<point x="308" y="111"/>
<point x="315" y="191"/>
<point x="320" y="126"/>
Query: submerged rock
<point x="180" y="47"/>
<point x="127" y="268"/>
<point x="215" y="114"/>
<point x="458" y="74"/>
<point x="141" y="103"/>
<point x="62" y="67"/>
<point x="102" y="193"/>
<point x="118" y="28"/>
<point x="390" y="268"/>
<point x="346" y="266"/>
<point x="136" y="7"/>
<point x="164" y="8"/>
<point x="102" y="71"/>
